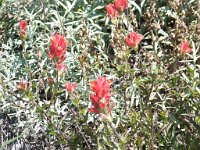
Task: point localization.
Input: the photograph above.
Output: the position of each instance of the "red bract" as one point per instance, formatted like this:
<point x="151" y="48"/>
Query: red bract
<point x="112" y="12"/>
<point x="61" y="67"/>
<point x="58" y="48"/>
<point x="23" y="85"/>
<point x="23" y="28"/>
<point x="70" y="87"/>
<point x="120" y="5"/>
<point x="50" y="81"/>
<point x="101" y="97"/>
<point x="133" y="39"/>
<point x="184" y="47"/>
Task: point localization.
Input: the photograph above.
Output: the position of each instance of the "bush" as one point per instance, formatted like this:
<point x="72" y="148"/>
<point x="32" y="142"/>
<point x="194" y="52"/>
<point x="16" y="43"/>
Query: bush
<point x="83" y="74"/>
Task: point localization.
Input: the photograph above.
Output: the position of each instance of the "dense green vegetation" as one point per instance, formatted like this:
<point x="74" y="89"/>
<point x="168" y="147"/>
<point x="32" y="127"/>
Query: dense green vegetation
<point x="125" y="93"/>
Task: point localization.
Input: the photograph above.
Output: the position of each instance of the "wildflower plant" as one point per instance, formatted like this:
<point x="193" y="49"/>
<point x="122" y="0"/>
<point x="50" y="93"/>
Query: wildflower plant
<point x="115" y="74"/>
<point x="101" y="97"/>
<point x="184" y="47"/>
<point x="23" y="29"/>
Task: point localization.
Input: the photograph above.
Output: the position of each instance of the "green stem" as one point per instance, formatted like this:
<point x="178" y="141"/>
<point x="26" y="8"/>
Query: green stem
<point x="56" y="90"/>
<point x="26" y="60"/>
<point x="118" y="136"/>
<point x="126" y="73"/>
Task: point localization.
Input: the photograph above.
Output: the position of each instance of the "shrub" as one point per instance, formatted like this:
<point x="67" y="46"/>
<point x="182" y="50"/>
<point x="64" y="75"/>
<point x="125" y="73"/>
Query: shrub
<point x="99" y="74"/>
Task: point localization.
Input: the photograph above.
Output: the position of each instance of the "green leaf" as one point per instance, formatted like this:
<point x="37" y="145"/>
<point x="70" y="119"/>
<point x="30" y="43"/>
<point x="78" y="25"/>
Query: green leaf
<point x="136" y="6"/>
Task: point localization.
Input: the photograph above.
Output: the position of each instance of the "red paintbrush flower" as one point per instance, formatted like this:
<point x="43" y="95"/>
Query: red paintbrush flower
<point x="23" y="28"/>
<point x="58" y="48"/>
<point x="184" y="47"/>
<point x="70" y="87"/>
<point x="50" y="81"/>
<point x="101" y="96"/>
<point x="120" y="5"/>
<point x="133" y="39"/>
<point x="60" y="67"/>
<point x="22" y="85"/>
<point x="111" y="11"/>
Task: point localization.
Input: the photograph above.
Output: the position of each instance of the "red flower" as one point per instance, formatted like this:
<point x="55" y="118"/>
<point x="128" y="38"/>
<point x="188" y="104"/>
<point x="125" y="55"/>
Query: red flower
<point x="112" y="12"/>
<point x="133" y="39"/>
<point x="120" y="5"/>
<point x="101" y="97"/>
<point x="58" y="48"/>
<point x="23" y="28"/>
<point x="61" y="67"/>
<point x="184" y="47"/>
<point x="22" y="85"/>
<point x="50" y="81"/>
<point x="70" y="87"/>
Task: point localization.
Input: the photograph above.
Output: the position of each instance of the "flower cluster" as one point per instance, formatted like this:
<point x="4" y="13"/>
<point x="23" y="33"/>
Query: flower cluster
<point x="115" y="9"/>
<point x="58" y="50"/>
<point x="22" y="85"/>
<point x="70" y="87"/>
<point x="133" y="39"/>
<point x="50" y="81"/>
<point x="120" y="5"/>
<point x="100" y="97"/>
<point x="23" y="29"/>
<point x="110" y="8"/>
<point x="184" y="47"/>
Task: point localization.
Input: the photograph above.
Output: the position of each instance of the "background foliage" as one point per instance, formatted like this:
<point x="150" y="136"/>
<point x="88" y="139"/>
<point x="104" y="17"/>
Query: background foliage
<point x="155" y="91"/>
